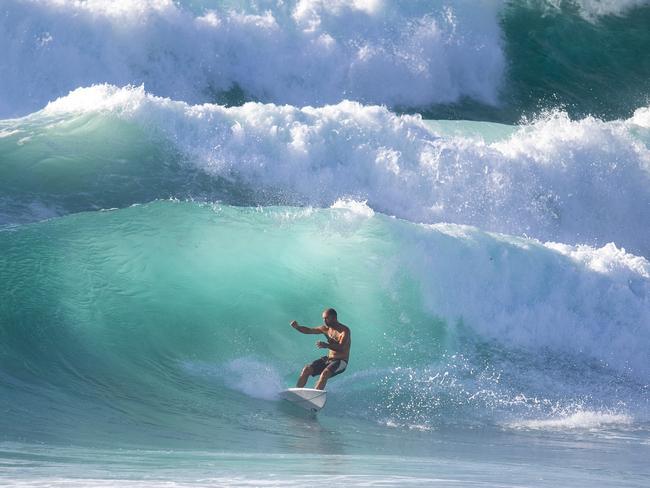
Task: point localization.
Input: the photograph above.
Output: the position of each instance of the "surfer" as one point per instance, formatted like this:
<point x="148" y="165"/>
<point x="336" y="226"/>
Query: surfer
<point x="338" y="343"/>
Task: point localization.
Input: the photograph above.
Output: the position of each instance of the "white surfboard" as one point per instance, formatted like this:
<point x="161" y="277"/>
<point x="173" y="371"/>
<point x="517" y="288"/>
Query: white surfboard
<point x="307" y="398"/>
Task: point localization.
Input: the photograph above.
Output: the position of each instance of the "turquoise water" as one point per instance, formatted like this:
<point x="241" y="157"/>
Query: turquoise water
<point x="466" y="183"/>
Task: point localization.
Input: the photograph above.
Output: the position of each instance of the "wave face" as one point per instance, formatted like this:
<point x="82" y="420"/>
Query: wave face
<point x="577" y="182"/>
<point x="489" y="59"/>
<point x="184" y="306"/>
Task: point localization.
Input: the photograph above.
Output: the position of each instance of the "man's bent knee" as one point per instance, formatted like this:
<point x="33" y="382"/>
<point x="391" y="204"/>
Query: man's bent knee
<point x="307" y="370"/>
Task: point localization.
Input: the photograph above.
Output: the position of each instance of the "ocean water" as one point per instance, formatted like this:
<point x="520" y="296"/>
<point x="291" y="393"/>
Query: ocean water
<point x="467" y="183"/>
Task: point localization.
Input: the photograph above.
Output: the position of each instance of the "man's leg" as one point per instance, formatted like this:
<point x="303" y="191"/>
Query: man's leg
<point x="306" y="373"/>
<point x="322" y="381"/>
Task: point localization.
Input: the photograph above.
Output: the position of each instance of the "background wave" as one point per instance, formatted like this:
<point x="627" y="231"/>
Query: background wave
<point x="305" y="52"/>
<point x="583" y="56"/>
<point x="491" y="60"/>
<point x="578" y="182"/>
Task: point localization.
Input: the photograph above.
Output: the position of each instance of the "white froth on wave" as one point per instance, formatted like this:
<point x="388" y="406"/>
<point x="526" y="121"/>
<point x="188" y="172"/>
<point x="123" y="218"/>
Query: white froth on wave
<point x="581" y="420"/>
<point x="7" y="133"/>
<point x="641" y="117"/>
<point x="595" y="9"/>
<point x="576" y="182"/>
<point x="299" y="52"/>
<point x="355" y="207"/>
<point x="607" y="260"/>
<point x="395" y="425"/>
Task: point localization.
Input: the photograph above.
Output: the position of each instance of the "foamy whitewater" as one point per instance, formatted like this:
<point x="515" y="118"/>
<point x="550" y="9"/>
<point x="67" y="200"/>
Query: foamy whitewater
<point x="467" y="183"/>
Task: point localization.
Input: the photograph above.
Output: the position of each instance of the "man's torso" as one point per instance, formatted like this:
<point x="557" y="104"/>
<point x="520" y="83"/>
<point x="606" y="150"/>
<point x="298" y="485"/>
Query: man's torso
<point x="334" y="335"/>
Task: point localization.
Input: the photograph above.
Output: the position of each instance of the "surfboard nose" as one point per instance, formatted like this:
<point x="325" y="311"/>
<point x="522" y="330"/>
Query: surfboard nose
<point x="308" y="398"/>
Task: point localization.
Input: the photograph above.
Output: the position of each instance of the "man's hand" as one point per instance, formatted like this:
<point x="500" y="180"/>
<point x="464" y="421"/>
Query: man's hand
<point x="294" y="324"/>
<point x="322" y="345"/>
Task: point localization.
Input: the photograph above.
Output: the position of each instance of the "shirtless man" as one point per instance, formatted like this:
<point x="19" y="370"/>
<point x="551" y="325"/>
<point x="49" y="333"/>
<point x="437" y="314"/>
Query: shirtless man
<point x="338" y="343"/>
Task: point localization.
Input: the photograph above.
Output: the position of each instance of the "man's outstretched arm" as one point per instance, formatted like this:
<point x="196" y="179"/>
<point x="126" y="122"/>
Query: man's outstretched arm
<point x="306" y="330"/>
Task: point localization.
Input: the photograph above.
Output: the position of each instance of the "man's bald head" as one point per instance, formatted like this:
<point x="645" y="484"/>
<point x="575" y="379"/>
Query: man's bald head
<point x="329" y="316"/>
<point x="330" y="312"/>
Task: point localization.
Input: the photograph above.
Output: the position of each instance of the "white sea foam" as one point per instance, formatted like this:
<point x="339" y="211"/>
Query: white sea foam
<point x="251" y="481"/>
<point x="641" y="117"/>
<point x="555" y="179"/>
<point x="580" y="420"/>
<point x="594" y="9"/>
<point x="299" y="52"/>
<point x="355" y="207"/>
<point x="7" y="133"/>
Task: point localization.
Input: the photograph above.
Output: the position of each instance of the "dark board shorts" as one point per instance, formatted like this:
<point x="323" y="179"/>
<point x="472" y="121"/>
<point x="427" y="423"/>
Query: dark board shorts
<point x="336" y="366"/>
